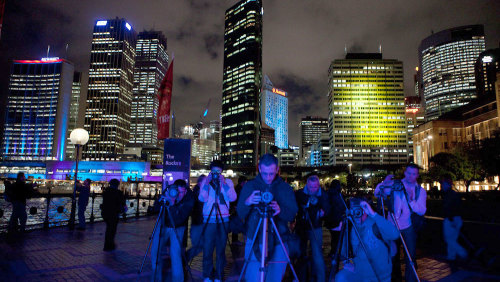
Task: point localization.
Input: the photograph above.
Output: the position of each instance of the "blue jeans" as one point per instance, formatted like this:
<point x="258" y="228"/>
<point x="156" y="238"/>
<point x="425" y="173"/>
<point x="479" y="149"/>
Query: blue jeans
<point x="276" y="265"/>
<point x="167" y="234"/>
<point x="316" y="239"/>
<point x="18" y="214"/>
<point x="215" y="237"/>
<point x="410" y="237"/>
<point x="451" y="230"/>
<point x="196" y="242"/>
<point x="81" y="214"/>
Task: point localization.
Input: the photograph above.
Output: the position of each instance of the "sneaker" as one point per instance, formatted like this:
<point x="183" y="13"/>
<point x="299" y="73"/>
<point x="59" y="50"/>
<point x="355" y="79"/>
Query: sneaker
<point x="207" y="280"/>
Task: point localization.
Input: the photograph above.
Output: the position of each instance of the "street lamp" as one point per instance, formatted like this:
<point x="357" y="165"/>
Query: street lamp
<point x="79" y="137"/>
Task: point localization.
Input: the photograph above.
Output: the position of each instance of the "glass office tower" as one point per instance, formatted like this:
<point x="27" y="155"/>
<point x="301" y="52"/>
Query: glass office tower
<point x="274" y="112"/>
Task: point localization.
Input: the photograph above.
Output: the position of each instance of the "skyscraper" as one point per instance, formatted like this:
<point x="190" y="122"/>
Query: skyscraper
<point x="310" y="130"/>
<point x="486" y="68"/>
<point x="37" y="113"/>
<point x="366" y="110"/>
<point x="78" y="97"/>
<point x="151" y="63"/>
<point x="447" y="68"/>
<point x="274" y="112"/>
<point x="242" y="76"/>
<point x="109" y="98"/>
<point x="414" y="117"/>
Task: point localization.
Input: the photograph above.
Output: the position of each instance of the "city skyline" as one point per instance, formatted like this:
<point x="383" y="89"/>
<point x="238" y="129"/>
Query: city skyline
<point x="296" y="57"/>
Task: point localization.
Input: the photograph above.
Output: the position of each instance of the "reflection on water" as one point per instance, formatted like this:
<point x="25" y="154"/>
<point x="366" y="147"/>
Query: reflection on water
<point x="60" y="210"/>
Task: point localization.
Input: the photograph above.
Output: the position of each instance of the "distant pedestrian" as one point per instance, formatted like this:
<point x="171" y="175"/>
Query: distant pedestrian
<point x="17" y="195"/>
<point x="83" y="201"/>
<point x="452" y="219"/>
<point x="113" y="203"/>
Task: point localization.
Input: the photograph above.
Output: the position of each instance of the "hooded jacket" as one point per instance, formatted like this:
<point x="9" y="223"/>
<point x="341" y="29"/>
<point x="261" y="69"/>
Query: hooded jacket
<point x="303" y="197"/>
<point x="282" y="193"/>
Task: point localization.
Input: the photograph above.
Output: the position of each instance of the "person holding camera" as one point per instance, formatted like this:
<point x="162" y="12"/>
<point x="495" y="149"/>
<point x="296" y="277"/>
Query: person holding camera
<point x="284" y="208"/>
<point x="313" y="206"/>
<point x="179" y="200"/>
<point x="216" y="193"/>
<point x="376" y="233"/>
<point x="17" y="194"/>
<point x="113" y="203"/>
<point x="411" y="198"/>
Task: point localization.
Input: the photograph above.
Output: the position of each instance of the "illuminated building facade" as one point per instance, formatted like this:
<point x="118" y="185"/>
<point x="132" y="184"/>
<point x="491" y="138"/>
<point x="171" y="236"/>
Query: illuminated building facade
<point x="242" y="79"/>
<point x="414" y="118"/>
<point x="310" y="131"/>
<point x="78" y="98"/>
<point x="447" y="68"/>
<point x="274" y="112"/>
<point x="109" y="98"/>
<point x="367" y="122"/>
<point x="151" y="63"/>
<point x="267" y="140"/>
<point x="289" y="156"/>
<point x="486" y="68"/>
<point x="320" y="151"/>
<point x="38" y="109"/>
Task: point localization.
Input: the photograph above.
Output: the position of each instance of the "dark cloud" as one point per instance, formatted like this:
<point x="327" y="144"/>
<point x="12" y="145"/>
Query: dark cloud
<point x="301" y="38"/>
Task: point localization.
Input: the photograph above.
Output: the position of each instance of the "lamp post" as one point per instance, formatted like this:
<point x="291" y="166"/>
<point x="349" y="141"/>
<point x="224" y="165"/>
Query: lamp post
<point x="79" y="137"/>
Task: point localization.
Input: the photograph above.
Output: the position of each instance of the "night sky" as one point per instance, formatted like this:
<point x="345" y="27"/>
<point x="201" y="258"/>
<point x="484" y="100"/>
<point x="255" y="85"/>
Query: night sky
<point x="301" y="38"/>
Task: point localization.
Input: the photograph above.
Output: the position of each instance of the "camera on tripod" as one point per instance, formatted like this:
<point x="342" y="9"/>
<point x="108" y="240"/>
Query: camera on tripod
<point x="397" y="186"/>
<point x="171" y="191"/>
<point x="266" y="197"/>
<point x="312" y="201"/>
<point x="356" y="210"/>
<point x="215" y="175"/>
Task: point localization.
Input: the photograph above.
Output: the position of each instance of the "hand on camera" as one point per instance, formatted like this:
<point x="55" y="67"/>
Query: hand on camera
<point x="165" y="199"/>
<point x="367" y="208"/>
<point x="253" y="199"/>
<point x="274" y="205"/>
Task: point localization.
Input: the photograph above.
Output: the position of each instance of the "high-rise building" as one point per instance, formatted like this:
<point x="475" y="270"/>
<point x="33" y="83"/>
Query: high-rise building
<point x="447" y="68"/>
<point x="78" y="98"/>
<point x="215" y="125"/>
<point x="310" y="130"/>
<point x="38" y="109"/>
<point x="414" y="117"/>
<point x="486" y="68"/>
<point x="320" y="151"/>
<point x="288" y="157"/>
<point x="151" y="61"/>
<point x="242" y="79"/>
<point x="267" y="140"/>
<point x="367" y="110"/>
<point x="109" y="98"/>
<point x="274" y="112"/>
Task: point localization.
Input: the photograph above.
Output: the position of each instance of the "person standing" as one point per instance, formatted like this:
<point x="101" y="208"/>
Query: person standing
<point x="216" y="191"/>
<point x="196" y="222"/>
<point x="452" y="220"/>
<point x="113" y="203"/>
<point x="171" y="229"/>
<point x="334" y="217"/>
<point x="83" y="201"/>
<point x="313" y="206"/>
<point x="18" y="193"/>
<point x="412" y="199"/>
<point x="284" y="208"/>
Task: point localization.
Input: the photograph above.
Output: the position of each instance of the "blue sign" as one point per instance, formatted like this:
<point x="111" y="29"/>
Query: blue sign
<point x="176" y="160"/>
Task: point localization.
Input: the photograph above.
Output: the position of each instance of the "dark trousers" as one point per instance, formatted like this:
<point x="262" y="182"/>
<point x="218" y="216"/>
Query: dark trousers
<point x="82" y="207"/>
<point x="215" y="237"/>
<point x="410" y="237"/>
<point x="109" y="238"/>
<point x="18" y="214"/>
<point x="334" y="240"/>
<point x="318" y="264"/>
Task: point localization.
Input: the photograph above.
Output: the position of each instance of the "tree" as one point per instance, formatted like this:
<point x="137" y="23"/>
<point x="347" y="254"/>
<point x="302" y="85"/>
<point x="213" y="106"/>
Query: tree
<point x="489" y="156"/>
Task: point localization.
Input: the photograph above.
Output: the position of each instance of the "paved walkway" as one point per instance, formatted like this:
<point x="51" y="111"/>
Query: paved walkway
<point x="62" y="255"/>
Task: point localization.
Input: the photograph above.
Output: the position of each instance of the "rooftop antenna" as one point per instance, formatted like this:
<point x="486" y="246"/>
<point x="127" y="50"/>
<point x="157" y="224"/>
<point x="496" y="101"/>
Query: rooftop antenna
<point x="67" y="46"/>
<point x="380" y="48"/>
<point x="345" y="49"/>
<point x="48" y="50"/>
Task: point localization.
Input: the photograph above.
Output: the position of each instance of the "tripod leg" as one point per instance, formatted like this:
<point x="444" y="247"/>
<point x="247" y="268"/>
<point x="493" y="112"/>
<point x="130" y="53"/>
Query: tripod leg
<point x="220" y="249"/>
<point x="179" y="242"/>
<point x="338" y="250"/>
<point x="407" y="252"/>
<point x="150" y="241"/>
<point x="284" y="249"/>
<point x="205" y="224"/>
<point x="250" y="252"/>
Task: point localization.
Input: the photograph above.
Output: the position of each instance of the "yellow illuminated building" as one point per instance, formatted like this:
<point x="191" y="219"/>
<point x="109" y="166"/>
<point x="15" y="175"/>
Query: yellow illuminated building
<point x="367" y="123"/>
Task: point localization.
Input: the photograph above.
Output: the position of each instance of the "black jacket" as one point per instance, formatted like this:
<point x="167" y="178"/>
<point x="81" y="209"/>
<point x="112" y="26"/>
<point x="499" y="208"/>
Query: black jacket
<point x="180" y="211"/>
<point x="19" y="191"/>
<point x="113" y="203"/>
<point x="312" y="210"/>
<point x="197" y="212"/>
<point x="337" y="209"/>
<point x="451" y="204"/>
<point x="282" y="193"/>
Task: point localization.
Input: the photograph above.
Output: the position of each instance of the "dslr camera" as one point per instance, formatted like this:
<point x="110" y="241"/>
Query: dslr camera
<point x="266" y="197"/>
<point x="215" y="175"/>
<point x="312" y="201"/>
<point x="172" y="191"/>
<point x="356" y="210"/>
<point x="396" y="186"/>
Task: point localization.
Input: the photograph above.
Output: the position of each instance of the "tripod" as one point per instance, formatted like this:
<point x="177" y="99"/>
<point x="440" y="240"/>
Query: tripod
<point x="218" y="218"/>
<point x="344" y="235"/>
<point x="265" y="216"/>
<point x="158" y="224"/>
<point x="391" y="213"/>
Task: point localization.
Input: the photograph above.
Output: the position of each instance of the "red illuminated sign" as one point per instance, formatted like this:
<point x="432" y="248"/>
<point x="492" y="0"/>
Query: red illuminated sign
<point x="280" y="92"/>
<point x="412" y="110"/>
<point x="38" y="61"/>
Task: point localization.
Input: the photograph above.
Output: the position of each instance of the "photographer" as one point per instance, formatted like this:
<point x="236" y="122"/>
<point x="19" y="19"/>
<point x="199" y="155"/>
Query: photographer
<point x="180" y="208"/>
<point x="411" y="198"/>
<point x="313" y="206"/>
<point x="376" y="232"/>
<point x="17" y="194"/>
<point x="215" y="189"/>
<point x="284" y="208"/>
